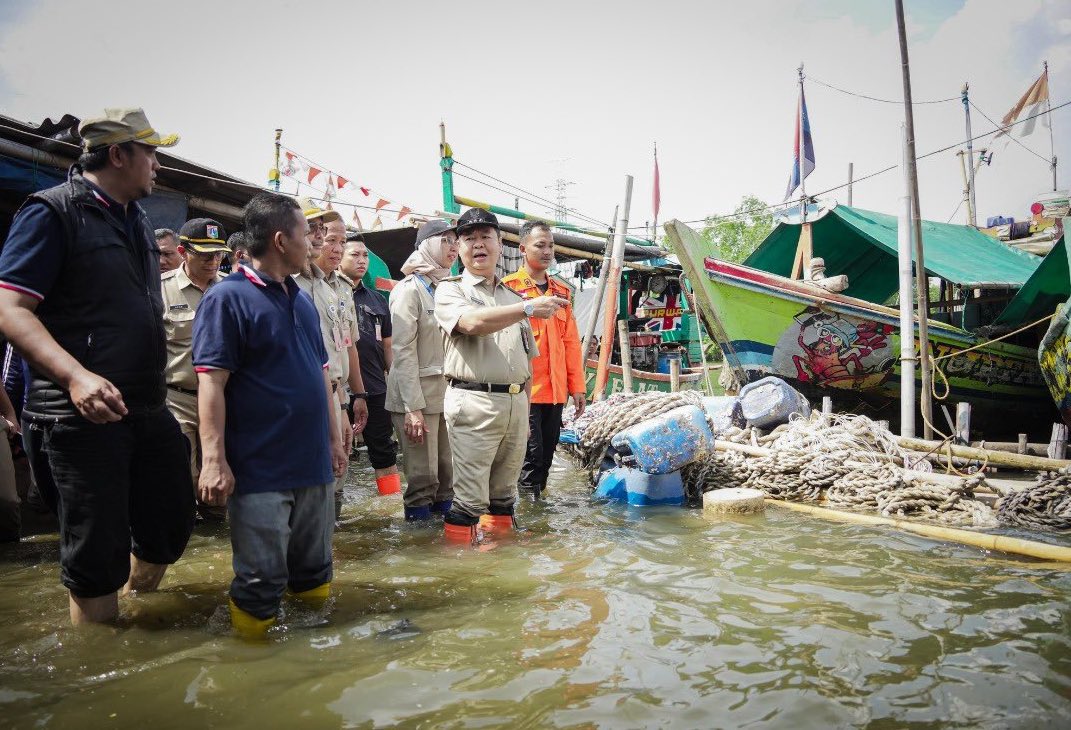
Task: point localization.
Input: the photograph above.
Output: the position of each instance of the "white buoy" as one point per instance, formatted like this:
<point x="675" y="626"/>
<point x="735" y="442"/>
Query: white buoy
<point x="735" y="501"/>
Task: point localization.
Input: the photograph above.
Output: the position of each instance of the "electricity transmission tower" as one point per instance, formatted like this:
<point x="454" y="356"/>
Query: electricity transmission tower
<point x="560" y="208"/>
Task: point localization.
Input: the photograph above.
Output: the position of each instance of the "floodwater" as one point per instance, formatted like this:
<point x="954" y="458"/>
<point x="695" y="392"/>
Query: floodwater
<point x="594" y="616"/>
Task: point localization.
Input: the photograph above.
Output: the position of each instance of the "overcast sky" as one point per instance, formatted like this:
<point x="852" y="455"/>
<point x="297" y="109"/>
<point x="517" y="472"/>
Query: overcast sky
<point x="533" y="92"/>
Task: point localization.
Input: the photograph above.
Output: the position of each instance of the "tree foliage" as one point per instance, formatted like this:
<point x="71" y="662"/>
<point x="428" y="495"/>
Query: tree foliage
<point x="736" y="237"/>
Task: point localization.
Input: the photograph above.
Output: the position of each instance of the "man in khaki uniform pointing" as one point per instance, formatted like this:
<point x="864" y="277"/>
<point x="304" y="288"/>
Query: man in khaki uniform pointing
<point x="487" y="364"/>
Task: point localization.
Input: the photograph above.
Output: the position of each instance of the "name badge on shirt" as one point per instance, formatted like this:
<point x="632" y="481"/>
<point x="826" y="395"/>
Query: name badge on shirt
<point x="174" y="307"/>
<point x="477" y="301"/>
<point x="379" y="332"/>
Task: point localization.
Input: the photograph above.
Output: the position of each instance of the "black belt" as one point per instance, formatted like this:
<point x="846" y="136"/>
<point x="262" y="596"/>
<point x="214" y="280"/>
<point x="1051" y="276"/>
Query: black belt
<point x="511" y="388"/>
<point x="186" y="391"/>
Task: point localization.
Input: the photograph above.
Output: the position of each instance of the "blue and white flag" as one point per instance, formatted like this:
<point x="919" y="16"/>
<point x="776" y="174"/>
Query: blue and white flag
<point x="794" y="179"/>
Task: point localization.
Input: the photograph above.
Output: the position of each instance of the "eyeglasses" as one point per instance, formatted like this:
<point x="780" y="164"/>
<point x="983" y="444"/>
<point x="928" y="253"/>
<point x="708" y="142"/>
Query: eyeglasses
<point x="317" y="227"/>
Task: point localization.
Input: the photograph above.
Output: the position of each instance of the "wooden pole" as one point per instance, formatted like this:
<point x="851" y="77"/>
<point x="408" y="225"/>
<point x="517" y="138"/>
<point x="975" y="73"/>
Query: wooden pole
<point x="907" y="307"/>
<point x="1024" y="444"/>
<point x="1000" y="543"/>
<point x="674" y="375"/>
<point x="600" y="293"/>
<point x="626" y="354"/>
<point x="1058" y="442"/>
<point x="922" y="281"/>
<point x="994" y="458"/>
<point x="613" y="284"/>
<point x="851" y="175"/>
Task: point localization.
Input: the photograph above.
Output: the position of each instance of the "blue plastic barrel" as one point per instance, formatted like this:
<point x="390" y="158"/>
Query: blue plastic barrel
<point x="640" y="489"/>
<point x="667" y="442"/>
<point x="664" y="359"/>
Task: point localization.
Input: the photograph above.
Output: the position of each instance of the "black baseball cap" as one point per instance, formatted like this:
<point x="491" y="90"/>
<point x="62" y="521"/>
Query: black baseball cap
<point x="203" y="235"/>
<point x="434" y="227"/>
<point x="474" y="217"/>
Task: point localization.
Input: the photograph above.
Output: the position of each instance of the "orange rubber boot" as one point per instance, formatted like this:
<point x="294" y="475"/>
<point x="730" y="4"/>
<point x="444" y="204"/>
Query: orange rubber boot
<point x="497" y="524"/>
<point x="389" y="483"/>
<point x="459" y="534"/>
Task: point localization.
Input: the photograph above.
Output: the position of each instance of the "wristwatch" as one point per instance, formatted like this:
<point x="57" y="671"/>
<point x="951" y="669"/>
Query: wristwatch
<point x="529" y="309"/>
<point x="362" y="396"/>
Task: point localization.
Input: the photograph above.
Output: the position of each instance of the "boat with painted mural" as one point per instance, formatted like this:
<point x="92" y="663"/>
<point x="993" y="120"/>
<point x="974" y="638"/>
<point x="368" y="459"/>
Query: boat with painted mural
<point x="1050" y="289"/>
<point x="846" y="344"/>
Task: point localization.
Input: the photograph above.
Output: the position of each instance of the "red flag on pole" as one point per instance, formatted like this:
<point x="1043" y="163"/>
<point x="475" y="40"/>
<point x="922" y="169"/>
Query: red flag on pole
<point x="656" y="200"/>
<point x="404" y="212"/>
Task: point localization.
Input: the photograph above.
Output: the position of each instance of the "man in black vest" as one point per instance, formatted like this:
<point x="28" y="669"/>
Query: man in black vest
<point x="80" y="300"/>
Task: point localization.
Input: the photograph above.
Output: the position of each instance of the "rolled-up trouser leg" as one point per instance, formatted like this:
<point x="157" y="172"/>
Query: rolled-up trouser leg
<point x="379" y="434"/>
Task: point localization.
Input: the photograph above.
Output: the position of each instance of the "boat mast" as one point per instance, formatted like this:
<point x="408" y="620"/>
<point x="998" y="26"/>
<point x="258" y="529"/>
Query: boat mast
<point x="921" y="280"/>
<point x="972" y="210"/>
<point x="446" y="163"/>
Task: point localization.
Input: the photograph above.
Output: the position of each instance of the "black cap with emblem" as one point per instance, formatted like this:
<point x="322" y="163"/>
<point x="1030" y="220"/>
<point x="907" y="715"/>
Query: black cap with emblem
<point x="203" y="235"/>
<point x="474" y="218"/>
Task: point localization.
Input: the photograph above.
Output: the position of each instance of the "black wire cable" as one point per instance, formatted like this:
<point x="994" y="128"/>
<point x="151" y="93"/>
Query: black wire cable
<point x="1013" y="139"/>
<point x="874" y="98"/>
<point x="544" y="201"/>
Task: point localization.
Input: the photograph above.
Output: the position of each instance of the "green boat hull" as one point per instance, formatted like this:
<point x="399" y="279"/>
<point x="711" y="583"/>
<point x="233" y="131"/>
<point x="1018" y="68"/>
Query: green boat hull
<point x="642" y="380"/>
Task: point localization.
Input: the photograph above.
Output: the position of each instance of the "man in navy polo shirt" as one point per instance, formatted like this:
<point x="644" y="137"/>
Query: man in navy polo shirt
<point x="265" y="422"/>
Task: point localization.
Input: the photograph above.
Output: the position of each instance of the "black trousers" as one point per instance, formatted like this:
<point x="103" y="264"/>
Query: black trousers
<point x="379" y="434"/>
<point x="544" y="428"/>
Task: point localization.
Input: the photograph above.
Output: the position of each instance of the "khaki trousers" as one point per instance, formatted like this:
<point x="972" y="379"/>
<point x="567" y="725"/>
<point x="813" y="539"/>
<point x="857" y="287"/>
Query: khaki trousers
<point x="340" y="400"/>
<point x="184" y="408"/>
<point x="429" y="473"/>
<point x="489" y="436"/>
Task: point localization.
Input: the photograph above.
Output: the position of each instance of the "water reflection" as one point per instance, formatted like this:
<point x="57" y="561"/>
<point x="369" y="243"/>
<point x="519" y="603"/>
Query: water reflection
<point x="592" y="616"/>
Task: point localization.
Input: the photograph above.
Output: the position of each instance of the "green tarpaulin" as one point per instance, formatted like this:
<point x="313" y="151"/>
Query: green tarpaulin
<point x="862" y="244"/>
<point x="1049" y="286"/>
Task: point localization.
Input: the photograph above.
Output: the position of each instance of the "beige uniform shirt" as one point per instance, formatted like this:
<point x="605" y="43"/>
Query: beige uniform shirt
<point x="333" y="296"/>
<point x="500" y="357"/>
<point x="415" y="381"/>
<point x="181" y="299"/>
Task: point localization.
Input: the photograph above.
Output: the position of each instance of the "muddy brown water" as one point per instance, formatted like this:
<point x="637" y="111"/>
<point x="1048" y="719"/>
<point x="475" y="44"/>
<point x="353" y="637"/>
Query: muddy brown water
<point x="593" y="616"/>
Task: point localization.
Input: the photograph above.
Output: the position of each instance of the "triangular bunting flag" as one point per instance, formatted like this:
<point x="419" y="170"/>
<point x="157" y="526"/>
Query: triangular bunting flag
<point x="365" y="192"/>
<point x="357" y="220"/>
<point x="342" y="182"/>
<point x="381" y="203"/>
<point x="377" y="224"/>
<point x="404" y="212"/>
<point x="313" y="172"/>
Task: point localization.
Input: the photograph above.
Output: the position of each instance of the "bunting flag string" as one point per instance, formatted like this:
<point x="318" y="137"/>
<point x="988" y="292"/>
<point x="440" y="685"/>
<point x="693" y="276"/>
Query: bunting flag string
<point x="300" y="168"/>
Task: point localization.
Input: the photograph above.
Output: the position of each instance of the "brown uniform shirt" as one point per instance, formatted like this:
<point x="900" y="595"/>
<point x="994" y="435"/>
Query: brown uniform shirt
<point x="500" y="357"/>
<point x="415" y="381"/>
<point x="333" y="296"/>
<point x="181" y="299"/>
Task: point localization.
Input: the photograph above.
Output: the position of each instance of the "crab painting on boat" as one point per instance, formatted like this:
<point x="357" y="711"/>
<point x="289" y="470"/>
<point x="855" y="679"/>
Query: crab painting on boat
<point x="826" y="349"/>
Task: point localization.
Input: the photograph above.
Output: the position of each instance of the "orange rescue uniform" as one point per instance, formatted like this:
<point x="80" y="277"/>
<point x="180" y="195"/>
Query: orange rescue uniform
<point x="558" y="370"/>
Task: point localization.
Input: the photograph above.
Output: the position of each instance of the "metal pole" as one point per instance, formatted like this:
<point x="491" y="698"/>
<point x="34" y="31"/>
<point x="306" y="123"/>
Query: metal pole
<point x="921" y="280"/>
<point x="966" y="188"/>
<point x="972" y="209"/>
<point x="613" y="283"/>
<point x="851" y="176"/>
<point x="446" y="164"/>
<point x="275" y="172"/>
<point x="907" y="319"/>
<point x="1048" y="115"/>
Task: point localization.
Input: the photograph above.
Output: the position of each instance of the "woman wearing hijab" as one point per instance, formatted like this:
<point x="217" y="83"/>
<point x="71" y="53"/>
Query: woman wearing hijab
<point x="416" y="386"/>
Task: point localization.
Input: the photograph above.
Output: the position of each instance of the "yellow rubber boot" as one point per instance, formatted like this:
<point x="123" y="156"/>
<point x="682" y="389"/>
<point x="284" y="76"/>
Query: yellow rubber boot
<point x="319" y="594"/>
<point x="249" y="626"/>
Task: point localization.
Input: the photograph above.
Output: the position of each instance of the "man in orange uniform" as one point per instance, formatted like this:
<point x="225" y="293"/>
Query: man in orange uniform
<point x="558" y="370"/>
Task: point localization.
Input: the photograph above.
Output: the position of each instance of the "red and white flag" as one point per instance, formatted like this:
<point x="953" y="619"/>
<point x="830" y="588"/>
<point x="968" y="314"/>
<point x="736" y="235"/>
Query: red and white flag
<point x="1031" y="104"/>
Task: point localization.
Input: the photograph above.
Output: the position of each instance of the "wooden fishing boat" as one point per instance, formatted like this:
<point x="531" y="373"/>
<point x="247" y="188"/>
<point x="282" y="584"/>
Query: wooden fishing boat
<point x="847" y="344"/>
<point x="1047" y="290"/>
